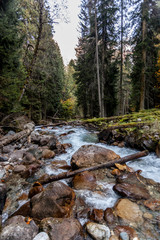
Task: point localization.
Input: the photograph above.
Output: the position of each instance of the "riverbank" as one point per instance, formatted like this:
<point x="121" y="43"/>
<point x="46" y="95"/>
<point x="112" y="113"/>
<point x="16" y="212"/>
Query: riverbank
<point x="87" y="204"/>
<point x="139" y="131"/>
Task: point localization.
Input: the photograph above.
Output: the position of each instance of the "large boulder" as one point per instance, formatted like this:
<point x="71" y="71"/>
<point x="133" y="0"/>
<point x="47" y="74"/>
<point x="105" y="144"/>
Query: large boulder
<point x="61" y="228"/>
<point x="56" y="201"/>
<point x="129" y="212"/>
<point x="91" y="155"/>
<point x="17" y="228"/>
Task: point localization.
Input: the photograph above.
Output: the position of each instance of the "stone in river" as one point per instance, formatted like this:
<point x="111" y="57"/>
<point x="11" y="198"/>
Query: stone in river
<point x="109" y="216"/>
<point x="84" y="180"/>
<point x="91" y="155"/>
<point x="132" y="234"/>
<point x="98" y="231"/>
<point x="17" y="229"/>
<point x="46" y="154"/>
<point x="129" y="212"/>
<point x="131" y="191"/>
<point x="41" y="236"/>
<point x="152" y="204"/>
<point x="56" y="201"/>
<point x="97" y="215"/>
<point x="62" y="228"/>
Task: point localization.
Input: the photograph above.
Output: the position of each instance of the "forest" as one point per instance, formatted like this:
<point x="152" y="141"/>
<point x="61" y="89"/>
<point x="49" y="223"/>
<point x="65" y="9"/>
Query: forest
<point x="117" y="65"/>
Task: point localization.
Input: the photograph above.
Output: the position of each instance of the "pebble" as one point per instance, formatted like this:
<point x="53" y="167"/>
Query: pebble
<point x="3" y="159"/>
<point x="98" y="231"/>
<point x="124" y="236"/>
<point x="41" y="236"/>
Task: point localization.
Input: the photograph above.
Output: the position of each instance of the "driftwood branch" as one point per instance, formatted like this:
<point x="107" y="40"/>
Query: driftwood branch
<point x="16" y="137"/>
<point x="104" y="165"/>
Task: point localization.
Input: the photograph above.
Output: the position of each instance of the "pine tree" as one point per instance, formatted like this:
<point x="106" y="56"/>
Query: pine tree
<point x="145" y="54"/>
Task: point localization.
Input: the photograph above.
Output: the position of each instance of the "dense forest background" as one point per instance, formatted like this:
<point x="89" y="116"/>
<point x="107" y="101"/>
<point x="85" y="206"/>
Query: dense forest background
<point x="117" y="69"/>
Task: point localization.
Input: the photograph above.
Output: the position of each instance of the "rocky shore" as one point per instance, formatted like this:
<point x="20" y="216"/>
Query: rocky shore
<point x="31" y="210"/>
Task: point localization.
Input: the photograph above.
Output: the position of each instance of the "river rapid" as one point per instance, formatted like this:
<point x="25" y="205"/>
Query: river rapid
<point x="150" y="165"/>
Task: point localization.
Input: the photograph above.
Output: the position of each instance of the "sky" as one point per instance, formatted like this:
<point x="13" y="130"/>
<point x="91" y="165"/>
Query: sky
<point x="66" y="34"/>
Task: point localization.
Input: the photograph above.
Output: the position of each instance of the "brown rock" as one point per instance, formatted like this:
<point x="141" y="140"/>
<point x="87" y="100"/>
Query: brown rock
<point x="91" y="155"/>
<point x="130" y="231"/>
<point x="152" y="204"/>
<point x="24" y="196"/>
<point x="28" y="158"/>
<point x="17" y="229"/>
<point x="56" y="201"/>
<point x="62" y="229"/>
<point x="109" y="216"/>
<point x="85" y="180"/>
<point x="35" y="190"/>
<point x="131" y="191"/>
<point x="97" y="215"/>
<point x="19" y="169"/>
<point x="129" y="211"/>
<point x="48" y="154"/>
<point x="31" y="169"/>
<point x="66" y="145"/>
<point x="116" y="172"/>
<point x="24" y="210"/>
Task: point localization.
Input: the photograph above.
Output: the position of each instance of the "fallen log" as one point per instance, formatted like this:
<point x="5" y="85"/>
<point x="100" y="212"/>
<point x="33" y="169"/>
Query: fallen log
<point x="13" y="138"/>
<point x="65" y="175"/>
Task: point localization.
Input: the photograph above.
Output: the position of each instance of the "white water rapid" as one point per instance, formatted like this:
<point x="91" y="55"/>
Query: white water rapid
<point x="150" y="165"/>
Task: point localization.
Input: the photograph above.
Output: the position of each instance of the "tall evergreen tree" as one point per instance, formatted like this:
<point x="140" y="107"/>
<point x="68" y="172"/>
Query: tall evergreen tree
<point x="145" y="53"/>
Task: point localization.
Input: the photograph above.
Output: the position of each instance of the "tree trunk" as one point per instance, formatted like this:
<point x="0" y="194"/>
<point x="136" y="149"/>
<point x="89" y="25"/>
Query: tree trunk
<point x="121" y="68"/>
<point x="97" y="62"/>
<point x="143" y="76"/>
<point x="104" y="165"/>
<point x="33" y="60"/>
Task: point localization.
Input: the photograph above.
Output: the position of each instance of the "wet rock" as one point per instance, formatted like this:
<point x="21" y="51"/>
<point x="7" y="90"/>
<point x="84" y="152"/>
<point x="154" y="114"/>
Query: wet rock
<point x="97" y="215"/>
<point x="131" y="233"/>
<point x="3" y="159"/>
<point x="84" y="180"/>
<point x="114" y="237"/>
<point x="158" y="149"/>
<point x="91" y="155"/>
<point x="36" y="152"/>
<point x="52" y="143"/>
<point x="28" y="158"/>
<point x="61" y="228"/>
<point x="129" y="212"/>
<point x="147" y="215"/>
<point x="109" y="216"/>
<point x="56" y="201"/>
<point x="17" y="229"/>
<point x="37" y="188"/>
<point x="116" y="172"/>
<point x="152" y="204"/>
<point x="131" y="191"/>
<point x="105" y="135"/>
<point x="19" y="169"/>
<point x="31" y="170"/>
<point x="44" y="140"/>
<point x="7" y="149"/>
<point x="98" y="231"/>
<point x="47" y="154"/>
<point x="24" y="210"/>
<point x="41" y="236"/>
<point x="16" y="156"/>
<point x="124" y="236"/>
<point x="66" y="145"/>
<point x="3" y="192"/>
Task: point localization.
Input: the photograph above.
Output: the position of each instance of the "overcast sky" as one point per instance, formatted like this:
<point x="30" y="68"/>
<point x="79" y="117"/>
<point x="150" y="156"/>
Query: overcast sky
<point x="66" y="34"/>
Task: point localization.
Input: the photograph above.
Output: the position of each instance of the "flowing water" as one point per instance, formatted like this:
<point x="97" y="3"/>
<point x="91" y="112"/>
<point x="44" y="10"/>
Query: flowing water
<point x="150" y="165"/>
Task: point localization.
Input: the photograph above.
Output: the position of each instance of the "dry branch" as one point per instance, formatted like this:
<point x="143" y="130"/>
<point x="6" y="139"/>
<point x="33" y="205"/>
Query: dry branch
<point x="104" y="165"/>
<point x="16" y="137"/>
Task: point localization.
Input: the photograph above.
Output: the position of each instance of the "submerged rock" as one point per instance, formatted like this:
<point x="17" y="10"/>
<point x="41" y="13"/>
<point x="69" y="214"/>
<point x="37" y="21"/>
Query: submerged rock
<point x="60" y="229"/>
<point x="17" y="229"/>
<point x="91" y="155"/>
